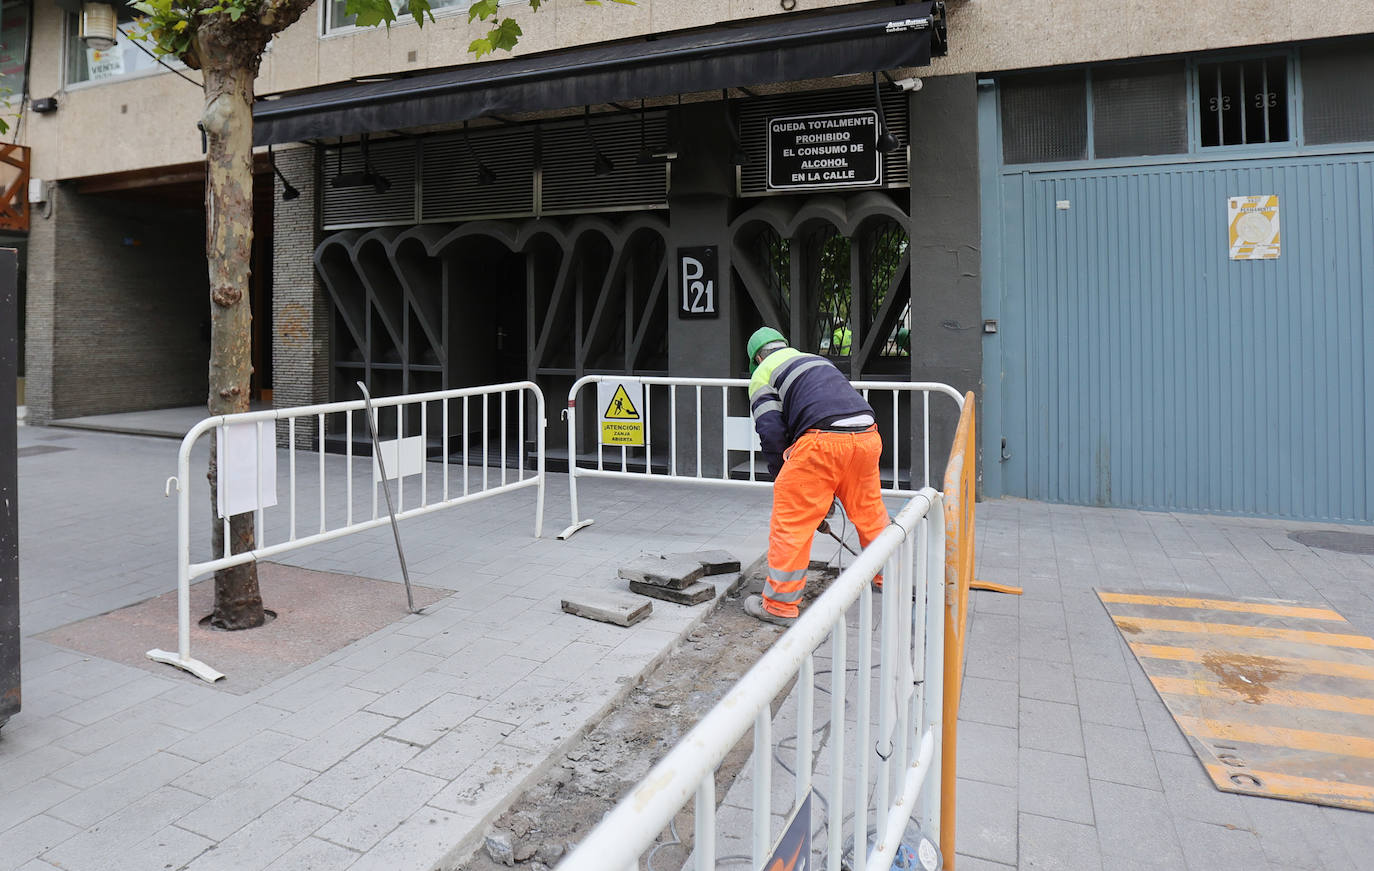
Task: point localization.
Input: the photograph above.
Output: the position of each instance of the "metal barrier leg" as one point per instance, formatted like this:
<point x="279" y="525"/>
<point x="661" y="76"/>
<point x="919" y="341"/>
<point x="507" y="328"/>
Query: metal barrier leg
<point x="182" y="658"/>
<point x="570" y="415"/>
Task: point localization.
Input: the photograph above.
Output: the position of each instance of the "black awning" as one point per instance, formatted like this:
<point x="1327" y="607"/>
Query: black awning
<point x="781" y="49"/>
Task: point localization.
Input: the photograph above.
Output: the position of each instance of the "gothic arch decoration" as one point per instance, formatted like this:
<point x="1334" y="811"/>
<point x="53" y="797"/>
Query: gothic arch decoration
<point x="595" y="297"/>
<point x="833" y="272"/>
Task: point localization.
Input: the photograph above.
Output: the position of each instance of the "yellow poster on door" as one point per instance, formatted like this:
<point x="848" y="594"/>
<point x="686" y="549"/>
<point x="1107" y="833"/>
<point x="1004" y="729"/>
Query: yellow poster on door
<point x="1254" y="227"/>
<point x="620" y="403"/>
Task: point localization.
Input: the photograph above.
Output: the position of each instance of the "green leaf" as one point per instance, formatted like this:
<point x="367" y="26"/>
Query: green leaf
<point x="506" y="35"/>
<point x="419" y="9"/>
<point x="370" y="13"/>
<point x="479" y="47"/>
<point x="482" y="9"/>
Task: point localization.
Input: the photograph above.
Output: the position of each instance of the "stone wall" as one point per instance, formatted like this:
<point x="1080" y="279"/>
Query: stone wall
<point x="300" y="309"/>
<point x="118" y="307"/>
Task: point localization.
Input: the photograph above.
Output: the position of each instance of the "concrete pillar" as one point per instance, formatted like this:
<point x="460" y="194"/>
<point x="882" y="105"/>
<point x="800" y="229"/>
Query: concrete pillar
<point x="300" y="308"/>
<point x="946" y="261"/>
<point x="699" y="208"/>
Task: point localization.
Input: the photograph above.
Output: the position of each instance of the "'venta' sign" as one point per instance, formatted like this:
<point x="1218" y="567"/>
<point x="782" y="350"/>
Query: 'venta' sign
<point x="837" y="149"/>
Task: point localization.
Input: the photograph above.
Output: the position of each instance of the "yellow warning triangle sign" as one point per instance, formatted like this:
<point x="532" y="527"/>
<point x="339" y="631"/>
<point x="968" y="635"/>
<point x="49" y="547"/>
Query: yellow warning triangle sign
<point x="620" y="407"/>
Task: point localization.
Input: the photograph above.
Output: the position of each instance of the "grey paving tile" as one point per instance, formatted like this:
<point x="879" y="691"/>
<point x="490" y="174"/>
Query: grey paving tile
<point x="1048" y="681"/>
<point x="239" y="805"/>
<point x="119" y="833"/>
<point x="228" y="733"/>
<point x="974" y="863"/>
<point x="435" y="720"/>
<point x="1134" y="824"/>
<point x="169" y="847"/>
<point x="987" y="753"/>
<point x="1300" y="836"/>
<point x="222" y="772"/>
<point x="33" y="837"/>
<point x="314" y="854"/>
<point x="985" y="700"/>
<point x="1120" y="755"/>
<point x="1050" y="726"/>
<point x="1192" y="795"/>
<point x="420" y="841"/>
<point x="381" y="809"/>
<point x="93" y="768"/>
<point x="1048" y="844"/>
<point x="265" y="837"/>
<point x="314" y="719"/>
<point x="1054" y="785"/>
<point x="1208" y="847"/>
<point x="339" y="740"/>
<point x="985" y="823"/>
<point x="1161" y="728"/>
<point x="92" y="805"/>
<point x="1108" y="702"/>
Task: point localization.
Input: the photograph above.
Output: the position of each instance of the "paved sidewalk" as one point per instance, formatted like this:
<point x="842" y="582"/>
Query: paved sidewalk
<point x="391" y="753"/>
<point x="398" y="747"/>
<point x="1068" y="758"/>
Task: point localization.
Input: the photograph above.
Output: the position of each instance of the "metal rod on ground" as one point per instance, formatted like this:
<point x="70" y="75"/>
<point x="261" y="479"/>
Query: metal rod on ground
<point x="386" y="491"/>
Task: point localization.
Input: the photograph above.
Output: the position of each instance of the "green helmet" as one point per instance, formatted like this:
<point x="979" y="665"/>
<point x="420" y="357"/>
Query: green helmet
<point x="762" y="336"/>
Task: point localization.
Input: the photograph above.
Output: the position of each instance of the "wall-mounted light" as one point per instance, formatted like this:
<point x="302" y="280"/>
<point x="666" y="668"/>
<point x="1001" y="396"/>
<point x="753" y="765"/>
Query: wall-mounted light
<point x="98" y="25"/>
<point x="601" y="164"/>
<point x="886" y="141"/>
<point x="738" y="156"/>
<point x="485" y="174"/>
<point x="379" y="183"/>
<point x="288" y="190"/>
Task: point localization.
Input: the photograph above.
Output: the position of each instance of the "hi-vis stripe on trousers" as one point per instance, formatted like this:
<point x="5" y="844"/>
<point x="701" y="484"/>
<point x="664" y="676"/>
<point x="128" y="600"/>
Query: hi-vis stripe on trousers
<point x="819" y="467"/>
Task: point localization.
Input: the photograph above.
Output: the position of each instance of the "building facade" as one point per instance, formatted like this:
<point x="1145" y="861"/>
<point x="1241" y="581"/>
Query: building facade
<point x="1053" y="226"/>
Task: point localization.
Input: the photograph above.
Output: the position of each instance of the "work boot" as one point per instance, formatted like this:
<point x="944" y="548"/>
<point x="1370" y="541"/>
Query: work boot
<point x="753" y="606"/>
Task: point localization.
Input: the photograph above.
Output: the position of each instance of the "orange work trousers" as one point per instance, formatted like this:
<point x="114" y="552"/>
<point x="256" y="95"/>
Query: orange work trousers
<point x="819" y="467"/>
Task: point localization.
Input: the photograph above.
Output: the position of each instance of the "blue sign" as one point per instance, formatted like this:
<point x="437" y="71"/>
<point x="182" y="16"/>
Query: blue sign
<point x="793" y="852"/>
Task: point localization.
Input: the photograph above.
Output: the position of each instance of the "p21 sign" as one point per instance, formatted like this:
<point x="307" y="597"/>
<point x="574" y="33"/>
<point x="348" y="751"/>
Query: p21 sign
<point x="698" y="273"/>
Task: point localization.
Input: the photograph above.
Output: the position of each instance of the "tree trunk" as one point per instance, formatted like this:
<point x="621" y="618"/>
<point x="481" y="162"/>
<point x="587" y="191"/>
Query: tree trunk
<point x="228" y="122"/>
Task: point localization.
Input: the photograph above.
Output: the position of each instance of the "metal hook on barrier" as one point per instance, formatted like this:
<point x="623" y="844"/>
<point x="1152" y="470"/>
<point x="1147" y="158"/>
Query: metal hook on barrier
<point x="881" y="755"/>
<point x="167" y="488"/>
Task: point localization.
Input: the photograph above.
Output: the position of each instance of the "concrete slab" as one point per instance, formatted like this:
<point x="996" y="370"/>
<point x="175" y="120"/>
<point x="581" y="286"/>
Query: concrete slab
<point x="692" y="595"/>
<point x="609" y="607"/>
<point x="677" y="572"/>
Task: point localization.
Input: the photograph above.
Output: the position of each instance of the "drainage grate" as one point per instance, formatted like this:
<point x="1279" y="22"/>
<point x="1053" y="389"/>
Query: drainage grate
<point x="35" y="450"/>
<point x="1344" y="542"/>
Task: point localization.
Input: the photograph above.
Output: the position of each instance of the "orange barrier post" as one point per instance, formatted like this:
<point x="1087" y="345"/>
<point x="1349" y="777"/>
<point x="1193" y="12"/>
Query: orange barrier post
<point x="961" y="475"/>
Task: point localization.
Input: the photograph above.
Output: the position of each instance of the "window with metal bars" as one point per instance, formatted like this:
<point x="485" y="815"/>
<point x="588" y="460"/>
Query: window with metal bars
<point x="1243" y="102"/>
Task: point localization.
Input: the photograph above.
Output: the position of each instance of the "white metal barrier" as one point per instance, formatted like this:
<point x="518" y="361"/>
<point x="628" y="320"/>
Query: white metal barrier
<point x="905" y="746"/>
<point x="330" y="511"/>
<point x="734" y="434"/>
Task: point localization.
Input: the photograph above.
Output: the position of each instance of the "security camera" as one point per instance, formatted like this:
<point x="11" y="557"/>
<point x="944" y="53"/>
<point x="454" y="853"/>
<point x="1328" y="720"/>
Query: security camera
<point x="911" y="84"/>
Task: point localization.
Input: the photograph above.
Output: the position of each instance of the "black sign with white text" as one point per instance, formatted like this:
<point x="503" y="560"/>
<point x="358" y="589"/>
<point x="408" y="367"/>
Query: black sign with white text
<point x="697" y="274"/>
<point x="837" y="149"/>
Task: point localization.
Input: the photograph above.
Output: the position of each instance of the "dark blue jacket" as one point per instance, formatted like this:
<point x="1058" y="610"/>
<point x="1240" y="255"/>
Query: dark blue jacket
<point x="792" y="392"/>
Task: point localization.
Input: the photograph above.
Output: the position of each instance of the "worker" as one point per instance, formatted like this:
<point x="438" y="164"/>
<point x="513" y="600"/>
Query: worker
<point x="819" y="439"/>
<point x="841" y="340"/>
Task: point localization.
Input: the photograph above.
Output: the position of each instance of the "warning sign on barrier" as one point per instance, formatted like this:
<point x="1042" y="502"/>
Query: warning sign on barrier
<point x="620" y="403"/>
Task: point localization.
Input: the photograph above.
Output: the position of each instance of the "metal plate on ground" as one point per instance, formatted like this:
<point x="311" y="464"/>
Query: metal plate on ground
<point x="1361" y="543"/>
<point x="1276" y="697"/>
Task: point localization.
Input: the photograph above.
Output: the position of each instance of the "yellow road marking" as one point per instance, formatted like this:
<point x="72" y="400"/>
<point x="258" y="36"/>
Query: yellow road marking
<point x="1275" y="736"/>
<point x="1223" y="605"/>
<point x="1330" y="639"/>
<point x="1294" y="664"/>
<point x="1184" y="686"/>
<point x="1289" y="786"/>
